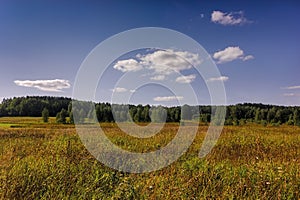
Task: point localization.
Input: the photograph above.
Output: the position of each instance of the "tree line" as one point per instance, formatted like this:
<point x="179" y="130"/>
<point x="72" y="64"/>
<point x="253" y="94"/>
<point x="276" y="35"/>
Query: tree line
<point x="61" y="108"/>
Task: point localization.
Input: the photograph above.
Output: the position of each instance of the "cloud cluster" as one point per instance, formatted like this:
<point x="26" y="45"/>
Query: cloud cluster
<point x="221" y="78"/>
<point x="231" y="53"/>
<point x="232" y="18"/>
<point x="161" y="62"/>
<point x="168" y="98"/>
<point x="128" y="65"/>
<point x="55" y="85"/>
<point x="186" y="79"/>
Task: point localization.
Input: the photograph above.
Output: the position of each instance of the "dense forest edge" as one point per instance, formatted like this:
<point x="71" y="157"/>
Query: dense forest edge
<point x="61" y="108"/>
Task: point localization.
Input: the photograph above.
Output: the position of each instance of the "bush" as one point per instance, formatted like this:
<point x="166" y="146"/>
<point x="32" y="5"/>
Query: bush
<point x="264" y="122"/>
<point x="45" y="115"/>
<point x="61" y="116"/>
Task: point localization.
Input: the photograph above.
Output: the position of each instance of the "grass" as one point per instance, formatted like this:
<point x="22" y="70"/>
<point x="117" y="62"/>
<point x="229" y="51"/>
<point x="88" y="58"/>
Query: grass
<point x="48" y="161"/>
<point x="24" y="120"/>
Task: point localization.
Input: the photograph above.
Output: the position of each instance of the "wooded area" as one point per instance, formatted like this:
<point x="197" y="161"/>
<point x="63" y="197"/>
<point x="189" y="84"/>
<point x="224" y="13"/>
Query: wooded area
<point x="61" y="107"/>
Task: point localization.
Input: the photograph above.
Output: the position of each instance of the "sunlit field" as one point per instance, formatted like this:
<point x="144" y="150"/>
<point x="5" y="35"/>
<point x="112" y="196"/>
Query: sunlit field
<point x="48" y="161"/>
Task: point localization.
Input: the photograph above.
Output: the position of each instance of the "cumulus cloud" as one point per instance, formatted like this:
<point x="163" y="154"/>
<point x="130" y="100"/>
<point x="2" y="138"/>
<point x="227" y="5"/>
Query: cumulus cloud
<point x="168" y="98"/>
<point x="55" y="85"/>
<point x="232" y="18"/>
<point x="292" y="87"/>
<point x="170" y="61"/>
<point x="128" y="65"/>
<point x="162" y="62"/>
<point x="231" y="53"/>
<point x="221" y="78"/>
<point x="119" y="89"/>
<point x="186" y="79"/>
<point x="158" y="77"/>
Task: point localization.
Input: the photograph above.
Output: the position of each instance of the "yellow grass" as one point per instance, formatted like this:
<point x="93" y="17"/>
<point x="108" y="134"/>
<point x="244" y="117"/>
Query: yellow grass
<point x="48" y="161"/>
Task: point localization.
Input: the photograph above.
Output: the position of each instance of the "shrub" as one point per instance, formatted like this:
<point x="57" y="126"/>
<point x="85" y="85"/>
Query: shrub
<point x="45" y="115"/>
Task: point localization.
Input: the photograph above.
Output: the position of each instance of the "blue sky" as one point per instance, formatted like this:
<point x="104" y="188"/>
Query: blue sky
<point x="255" y="44"/>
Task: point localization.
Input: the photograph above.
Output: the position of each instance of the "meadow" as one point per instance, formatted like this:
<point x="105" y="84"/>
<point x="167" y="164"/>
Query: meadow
<point x="48" y="161"/>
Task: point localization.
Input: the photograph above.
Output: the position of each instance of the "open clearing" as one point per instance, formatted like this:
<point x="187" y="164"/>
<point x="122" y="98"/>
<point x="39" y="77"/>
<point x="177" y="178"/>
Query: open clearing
<point x="48" y="161"/>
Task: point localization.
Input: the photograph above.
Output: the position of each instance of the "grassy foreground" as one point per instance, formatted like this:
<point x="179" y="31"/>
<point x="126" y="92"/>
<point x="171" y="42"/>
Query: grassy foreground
<point x="48" y="161"/>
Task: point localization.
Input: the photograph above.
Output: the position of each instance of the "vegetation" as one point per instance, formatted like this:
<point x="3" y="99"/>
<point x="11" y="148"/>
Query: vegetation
<point x="33" y="106"/>
<point x="45" y="115"/>
<point x="48" y="161"/>
<point x="105" y="112"/>
<point x="61" y="117"/>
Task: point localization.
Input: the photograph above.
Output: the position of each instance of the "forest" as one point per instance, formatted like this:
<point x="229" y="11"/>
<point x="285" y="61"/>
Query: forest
<point x="61" y="108"/>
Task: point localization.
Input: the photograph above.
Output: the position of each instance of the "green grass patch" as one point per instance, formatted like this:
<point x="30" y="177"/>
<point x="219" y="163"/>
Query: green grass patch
<point x="25" y="120"/>
<point x="7" y="125"/>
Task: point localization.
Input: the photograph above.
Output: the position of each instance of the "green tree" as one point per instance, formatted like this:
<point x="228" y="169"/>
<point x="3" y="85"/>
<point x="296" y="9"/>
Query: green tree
<point x="123" y="116"/>
<point x="81" y="116"/>
<point x="258" y="116"/>
<point x="186" y="112"/>
<point x="145" y="114"/>
<point x="58" y="118"/>
<point x="71" y="121"/>
<point x="290" y="121"/>
<point x="158" y="114"/>
<point x="61" y="116"/>
<point x="45" y="115"/>
<point x="138" y="115"/>
<point x="296" y="117"/>
<point x="271" y="115"/>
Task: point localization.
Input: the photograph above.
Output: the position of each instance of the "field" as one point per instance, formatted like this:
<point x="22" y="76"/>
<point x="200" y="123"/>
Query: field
<point x="48" y="161"/>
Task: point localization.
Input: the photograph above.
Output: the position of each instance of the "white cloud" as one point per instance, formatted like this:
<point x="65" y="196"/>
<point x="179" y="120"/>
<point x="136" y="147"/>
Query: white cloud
<point x="162" y="62"/>
<point x="168" y="98"/>
<point x="186" y="79"/>
<point x="128" y="65"/>
<point x="230" y="54"/>
<point x="289" y="94"/>
<point x="55" y="85"/>
<point x="221" y="78"/>
<point x="170" y="61"/>
<point x="158" y="77"/>
<point x="248" y="57"/>
<point x="232" y="18"/>
<point x="119" y="89"/>
<point x="192" y="58"/>
<point x="292" y="87"/>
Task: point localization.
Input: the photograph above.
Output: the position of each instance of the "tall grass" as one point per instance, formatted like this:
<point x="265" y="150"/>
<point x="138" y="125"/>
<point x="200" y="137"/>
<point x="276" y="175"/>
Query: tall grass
<point x="248" y="162"/>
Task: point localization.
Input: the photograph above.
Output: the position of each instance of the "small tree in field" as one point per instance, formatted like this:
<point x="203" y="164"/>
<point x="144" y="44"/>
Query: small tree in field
<point x="61" y="116"/>
<point x="45" y="115"/>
